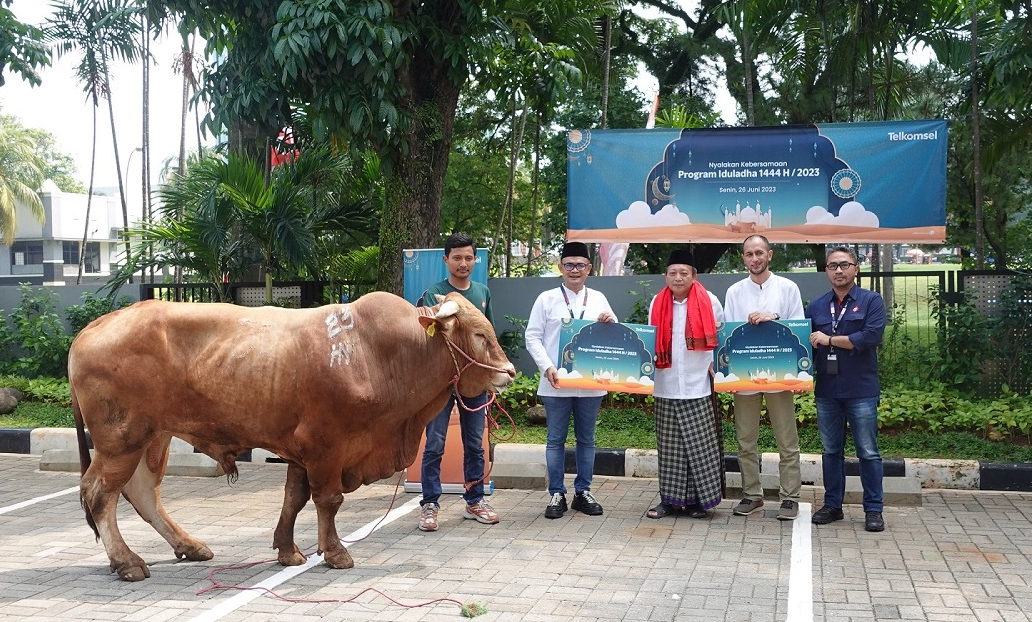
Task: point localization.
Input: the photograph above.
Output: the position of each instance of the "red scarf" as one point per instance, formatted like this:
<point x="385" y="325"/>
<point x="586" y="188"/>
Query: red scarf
<point x="700" y="334"/>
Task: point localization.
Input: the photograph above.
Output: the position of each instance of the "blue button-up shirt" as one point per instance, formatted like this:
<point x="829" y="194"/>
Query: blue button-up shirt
<point x="864" y="323"/>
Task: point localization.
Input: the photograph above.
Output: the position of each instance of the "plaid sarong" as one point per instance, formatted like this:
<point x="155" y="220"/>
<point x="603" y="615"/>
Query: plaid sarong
<point x="689" y="455"/>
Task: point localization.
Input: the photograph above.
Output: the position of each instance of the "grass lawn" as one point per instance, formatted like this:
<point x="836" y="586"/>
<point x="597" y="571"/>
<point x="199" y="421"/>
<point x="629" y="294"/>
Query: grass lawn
<point x="632" y="427"/>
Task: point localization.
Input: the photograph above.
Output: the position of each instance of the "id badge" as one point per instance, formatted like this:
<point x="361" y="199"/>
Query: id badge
<point x="832" y="367"/>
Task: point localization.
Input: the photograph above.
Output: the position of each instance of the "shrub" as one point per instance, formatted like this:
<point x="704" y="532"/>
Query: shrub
<point x="964" y="338"/>
<point x="35" y="343"/>
<point x="92" y="307"/>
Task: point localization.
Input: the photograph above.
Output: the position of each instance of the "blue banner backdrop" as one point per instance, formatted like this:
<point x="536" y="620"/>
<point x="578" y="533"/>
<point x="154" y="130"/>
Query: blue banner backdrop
<point x="425" y="266"/>
<point x="877" y="182"/>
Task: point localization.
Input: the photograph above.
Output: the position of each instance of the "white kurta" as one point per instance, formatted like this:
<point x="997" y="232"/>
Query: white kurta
<point x="542" y="332"/>
<point x="688" y="375"/>
<point x="775" y="295"/>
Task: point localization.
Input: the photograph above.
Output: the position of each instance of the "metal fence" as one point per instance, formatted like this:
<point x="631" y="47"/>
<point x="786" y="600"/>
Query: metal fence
<point x="911" y="299"/>
<point x="297" y="294"/>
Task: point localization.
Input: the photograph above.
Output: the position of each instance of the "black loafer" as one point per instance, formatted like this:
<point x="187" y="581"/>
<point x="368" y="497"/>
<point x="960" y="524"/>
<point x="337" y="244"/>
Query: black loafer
<point x="826" y="515"/>
<point x="874" y="522"/>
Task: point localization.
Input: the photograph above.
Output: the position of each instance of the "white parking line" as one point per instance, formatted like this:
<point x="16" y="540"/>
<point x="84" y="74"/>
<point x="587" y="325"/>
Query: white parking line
<point x="800" y="578"/>
<point x="241" y="599"/>
<point x="24" y="504"/>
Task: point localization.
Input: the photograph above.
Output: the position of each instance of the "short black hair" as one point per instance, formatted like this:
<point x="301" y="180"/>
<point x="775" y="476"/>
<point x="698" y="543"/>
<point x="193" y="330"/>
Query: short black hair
<point x="842" y="249"/>
<point x="458" y="240"/>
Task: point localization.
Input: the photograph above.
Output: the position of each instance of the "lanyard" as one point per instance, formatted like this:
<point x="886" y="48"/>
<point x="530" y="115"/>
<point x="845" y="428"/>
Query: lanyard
<point x="835" y="320"/>
<point x="584" y="304"/>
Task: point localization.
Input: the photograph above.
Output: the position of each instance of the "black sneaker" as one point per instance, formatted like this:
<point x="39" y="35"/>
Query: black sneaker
<point x="584" y="502"/>
<point x="556" y="507"/>
<point x="874" y="522"/>
<point x="826" y="515"/>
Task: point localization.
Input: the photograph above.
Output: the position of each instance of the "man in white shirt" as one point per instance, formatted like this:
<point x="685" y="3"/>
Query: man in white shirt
<point x="571" y="300"/>
<point x="765" y="297"/>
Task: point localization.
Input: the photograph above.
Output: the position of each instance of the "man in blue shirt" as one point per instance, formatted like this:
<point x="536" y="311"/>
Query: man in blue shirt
<point x="848" y="324"/>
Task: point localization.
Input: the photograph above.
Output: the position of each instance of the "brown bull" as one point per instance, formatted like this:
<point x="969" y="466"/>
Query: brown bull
<point x="342" y="393"/>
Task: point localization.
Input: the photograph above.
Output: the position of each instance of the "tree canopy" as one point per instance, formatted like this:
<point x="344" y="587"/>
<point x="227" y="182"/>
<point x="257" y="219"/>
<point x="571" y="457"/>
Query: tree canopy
<point x="368" y="74"/>
<point x="22" y="49"/>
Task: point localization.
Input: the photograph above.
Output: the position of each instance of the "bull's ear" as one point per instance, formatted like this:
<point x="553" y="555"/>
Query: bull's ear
<point x="439" y="297"/>
<point x="428" y="323"/>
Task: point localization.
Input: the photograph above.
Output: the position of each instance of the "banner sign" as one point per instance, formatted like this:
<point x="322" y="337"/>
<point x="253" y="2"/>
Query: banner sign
<point x="607" y="356"/>
<point x="877" y="182"/>
<point x="425" y="266"/>
<point x="770" y="356"/>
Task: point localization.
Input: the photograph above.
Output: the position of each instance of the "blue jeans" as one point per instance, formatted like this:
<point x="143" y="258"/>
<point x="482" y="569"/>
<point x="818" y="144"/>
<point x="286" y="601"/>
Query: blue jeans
<point x="862" y="415"/>
<point x="471" y="424"/>
<point x="585" y="415"/>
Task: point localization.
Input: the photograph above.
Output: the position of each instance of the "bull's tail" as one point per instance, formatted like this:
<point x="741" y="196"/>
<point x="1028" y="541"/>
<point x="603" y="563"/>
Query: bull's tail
<point x="84" y="459"/>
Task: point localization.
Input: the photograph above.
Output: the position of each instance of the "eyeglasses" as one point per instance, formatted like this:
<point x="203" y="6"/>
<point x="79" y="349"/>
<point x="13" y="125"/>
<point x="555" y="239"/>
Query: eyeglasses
<point x="575" y="266"/>
<point x="844" y="265"/>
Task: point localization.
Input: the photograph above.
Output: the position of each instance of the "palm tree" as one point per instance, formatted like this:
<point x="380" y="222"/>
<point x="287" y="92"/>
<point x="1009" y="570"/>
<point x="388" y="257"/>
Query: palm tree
<point x="222" y="214"/>
<point x="551" y="46"/>
<point x="102" y="31"/>
<point x="21" y="175"/>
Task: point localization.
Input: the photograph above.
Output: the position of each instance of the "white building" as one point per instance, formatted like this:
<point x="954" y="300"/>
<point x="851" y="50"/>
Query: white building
<point x="48" y="253"/>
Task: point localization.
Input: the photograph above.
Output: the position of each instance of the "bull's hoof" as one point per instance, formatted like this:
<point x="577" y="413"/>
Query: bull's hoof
<point x="291" y="558"/>
<point x="339" y="559"/>
<point x="200" y="553"/>
<point x="132" y="571"/>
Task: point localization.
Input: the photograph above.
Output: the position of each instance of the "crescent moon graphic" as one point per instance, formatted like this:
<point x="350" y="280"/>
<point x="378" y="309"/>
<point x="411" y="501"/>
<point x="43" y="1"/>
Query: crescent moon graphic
<point x="658" y="193"/>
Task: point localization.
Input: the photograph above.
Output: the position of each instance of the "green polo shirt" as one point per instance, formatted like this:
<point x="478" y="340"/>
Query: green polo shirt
<point x="478" y="294"/>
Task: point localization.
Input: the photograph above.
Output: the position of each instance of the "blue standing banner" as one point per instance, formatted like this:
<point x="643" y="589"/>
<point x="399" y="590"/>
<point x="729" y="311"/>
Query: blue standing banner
<point x="876" y="182"/>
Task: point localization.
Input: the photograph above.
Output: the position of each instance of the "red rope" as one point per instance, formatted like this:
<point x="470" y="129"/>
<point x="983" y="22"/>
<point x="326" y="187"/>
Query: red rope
<point x="218" y="585"/>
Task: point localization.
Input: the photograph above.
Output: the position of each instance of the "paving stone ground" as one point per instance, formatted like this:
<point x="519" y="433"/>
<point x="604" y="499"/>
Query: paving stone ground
<point x="961" y="556"/>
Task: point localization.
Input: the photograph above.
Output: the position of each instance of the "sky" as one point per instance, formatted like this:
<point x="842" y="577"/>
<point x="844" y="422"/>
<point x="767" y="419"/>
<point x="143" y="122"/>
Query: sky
<point x="59" y="106"/>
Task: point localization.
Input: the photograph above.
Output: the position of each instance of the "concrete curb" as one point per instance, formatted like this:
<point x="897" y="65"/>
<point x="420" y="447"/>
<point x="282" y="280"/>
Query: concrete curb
<point x="523" y="466"/>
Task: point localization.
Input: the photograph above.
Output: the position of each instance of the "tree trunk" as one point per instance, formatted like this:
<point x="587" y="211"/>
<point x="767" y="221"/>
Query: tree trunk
<point x="89" y="196"/>
<point x="607" y="55"/>
<point x="747" y="60"/>
<point x="118" y="169"/>
<point x="976" y="141"/>
<point x="534" y="203"/>
<point x="145" y="135"/>
<point x="184" y="108"/>
<point x="412" y="211"/>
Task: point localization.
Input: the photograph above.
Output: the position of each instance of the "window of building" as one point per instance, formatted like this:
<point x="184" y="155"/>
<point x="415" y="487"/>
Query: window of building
<point x="91" y="263"/>
<point x="70" y="255"/>
<point x="27" y="253"/>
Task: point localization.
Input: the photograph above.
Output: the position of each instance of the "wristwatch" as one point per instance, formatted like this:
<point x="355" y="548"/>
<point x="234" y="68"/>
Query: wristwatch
<point x="777" y="316"/>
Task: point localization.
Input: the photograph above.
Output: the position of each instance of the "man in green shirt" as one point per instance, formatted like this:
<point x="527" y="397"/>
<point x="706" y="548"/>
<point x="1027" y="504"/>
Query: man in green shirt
<point x="460" y="254"/>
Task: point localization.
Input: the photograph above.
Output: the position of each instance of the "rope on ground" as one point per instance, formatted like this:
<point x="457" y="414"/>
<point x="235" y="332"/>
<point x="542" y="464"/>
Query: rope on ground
<point x="468" y="610"/>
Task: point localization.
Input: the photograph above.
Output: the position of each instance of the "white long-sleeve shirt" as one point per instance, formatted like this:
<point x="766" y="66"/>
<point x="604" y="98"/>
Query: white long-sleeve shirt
<point x="689" y="374"/>
<point x="775" y="295"/>
<point x="542" y="332"/>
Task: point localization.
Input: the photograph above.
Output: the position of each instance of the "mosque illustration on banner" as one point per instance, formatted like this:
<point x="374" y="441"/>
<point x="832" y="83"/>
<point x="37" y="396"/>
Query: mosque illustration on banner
<point x="748" y="219"/>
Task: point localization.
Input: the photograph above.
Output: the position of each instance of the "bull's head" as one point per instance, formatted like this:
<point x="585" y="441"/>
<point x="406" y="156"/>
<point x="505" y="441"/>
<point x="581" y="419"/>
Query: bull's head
<point x="479" y="359"/>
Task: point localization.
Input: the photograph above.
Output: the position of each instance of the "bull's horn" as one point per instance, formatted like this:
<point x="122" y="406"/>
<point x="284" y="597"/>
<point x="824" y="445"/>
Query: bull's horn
<point x="448" y="309"/>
